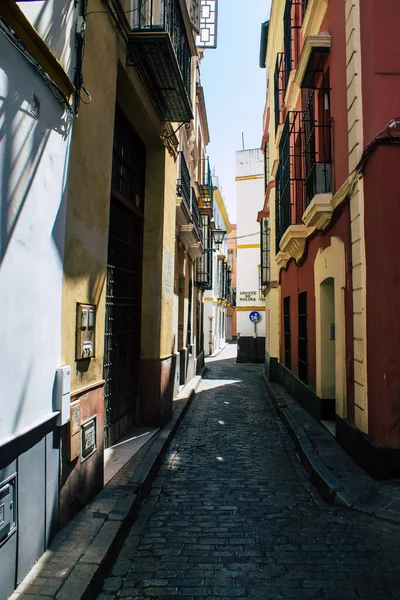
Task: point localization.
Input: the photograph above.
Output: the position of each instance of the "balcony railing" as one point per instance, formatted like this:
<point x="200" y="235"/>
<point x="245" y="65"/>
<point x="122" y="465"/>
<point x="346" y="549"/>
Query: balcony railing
<point x="196" y="216"/>
<point x="279" y="88"/>
<point x="204" y="264"/>
<point x="265" y="235"/>
<point x="290" y="178"/>
<point x="292" y="20"/>
<point x="183" y="183"/>
<point x="159" y="48"/>
<point x="205" y="184"/>
<point x="317" y="144"/>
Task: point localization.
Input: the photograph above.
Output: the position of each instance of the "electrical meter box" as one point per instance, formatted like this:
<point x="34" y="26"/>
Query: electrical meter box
<point x="85" y="331"/>
<point x="8" y="513"/>
<point x="63" y="394"/>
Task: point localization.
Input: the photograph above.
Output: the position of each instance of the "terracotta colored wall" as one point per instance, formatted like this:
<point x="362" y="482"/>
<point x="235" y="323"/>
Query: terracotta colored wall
<point x="297" y="279"/>
<point x="382" y="215"/>
<point x="380" y="64"/>
<point x="81" y="479"/>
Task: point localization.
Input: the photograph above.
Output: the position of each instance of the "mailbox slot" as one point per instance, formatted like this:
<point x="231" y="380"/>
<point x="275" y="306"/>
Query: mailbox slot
<point x="85" y="331"/>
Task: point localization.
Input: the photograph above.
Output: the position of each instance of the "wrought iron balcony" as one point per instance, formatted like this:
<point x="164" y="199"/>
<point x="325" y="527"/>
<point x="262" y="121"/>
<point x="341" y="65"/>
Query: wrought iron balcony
<point x="183" y="184"/>
<point x="188" y="217"/>
<point x="158" y="47"/>
<point x="317" y="143"/>
<point x="204" y="264"/>
<point x="205" y="185"/>
<point x="290" y="178"/>
<point x="196" y="216"/>
<point x="279" y="87"/>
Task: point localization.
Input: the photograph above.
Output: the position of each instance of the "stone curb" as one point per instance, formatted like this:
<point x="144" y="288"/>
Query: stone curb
<point x="85" y="580"/>
<point x="106" y="521"/>
<point x="317" y="471"/>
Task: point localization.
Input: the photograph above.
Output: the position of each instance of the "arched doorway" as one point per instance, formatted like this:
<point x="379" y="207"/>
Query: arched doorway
<point x="329" y="285"/>
<point x="328" y="348"/>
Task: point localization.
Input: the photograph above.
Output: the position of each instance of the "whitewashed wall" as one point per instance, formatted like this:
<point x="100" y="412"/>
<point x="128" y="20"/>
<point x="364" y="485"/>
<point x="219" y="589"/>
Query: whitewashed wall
<point x="33" y="177"/>
<point x="54" y="20"/>
<point x="249" y="199"/>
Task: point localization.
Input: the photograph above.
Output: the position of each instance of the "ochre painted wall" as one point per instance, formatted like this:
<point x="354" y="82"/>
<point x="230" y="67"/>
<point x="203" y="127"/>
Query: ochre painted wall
<point x="89" y="199"/>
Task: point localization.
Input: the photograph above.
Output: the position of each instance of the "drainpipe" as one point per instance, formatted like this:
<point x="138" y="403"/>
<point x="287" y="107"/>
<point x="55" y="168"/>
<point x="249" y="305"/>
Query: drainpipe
<point x="210" y="337"/>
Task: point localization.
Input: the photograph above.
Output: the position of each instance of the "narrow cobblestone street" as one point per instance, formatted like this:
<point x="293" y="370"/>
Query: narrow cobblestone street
<point x="231" y="513"/>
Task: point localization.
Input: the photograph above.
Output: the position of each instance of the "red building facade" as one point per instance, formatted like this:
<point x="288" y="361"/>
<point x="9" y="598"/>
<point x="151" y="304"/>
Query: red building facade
<point x="332" y="198"/>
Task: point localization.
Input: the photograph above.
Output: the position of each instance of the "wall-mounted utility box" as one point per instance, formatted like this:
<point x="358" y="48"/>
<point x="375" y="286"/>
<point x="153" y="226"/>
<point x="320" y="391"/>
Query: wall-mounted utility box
<point x="75" y="430"/>
<point x="85" y="331"/>
<point x="8" y="512"/>
<point x="63" y="394"/>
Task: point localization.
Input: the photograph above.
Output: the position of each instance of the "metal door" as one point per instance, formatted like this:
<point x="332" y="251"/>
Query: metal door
<point x="124" y="278"/>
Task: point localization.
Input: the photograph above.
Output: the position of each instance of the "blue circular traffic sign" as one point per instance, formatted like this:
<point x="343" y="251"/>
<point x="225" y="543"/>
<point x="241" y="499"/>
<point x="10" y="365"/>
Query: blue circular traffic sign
<point x="254" y="316"/>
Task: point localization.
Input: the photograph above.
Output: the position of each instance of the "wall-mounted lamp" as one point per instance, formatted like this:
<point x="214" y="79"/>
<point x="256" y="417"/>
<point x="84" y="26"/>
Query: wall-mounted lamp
<point x="218" y="235"/>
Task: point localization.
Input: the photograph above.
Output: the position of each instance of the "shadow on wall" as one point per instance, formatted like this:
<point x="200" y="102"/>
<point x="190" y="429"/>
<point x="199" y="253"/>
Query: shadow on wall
<point x="24" y="139"/>
<point x="51" y="21"/>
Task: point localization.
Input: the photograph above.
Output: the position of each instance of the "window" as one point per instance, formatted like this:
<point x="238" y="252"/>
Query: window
<point x="287" y="332"/>
<point x="289" y="179"/>
<point x="265" y="252"/>
<point x="261" y="287"/>
<point x="189" y="317"/>
<point x="292" y="19"/>
<point x="302" y="337"/>
<point x="317" y="132"/>
<point x="279" y="88"/>
<point x="205" y="262"/>
<point x="266" y="165"/>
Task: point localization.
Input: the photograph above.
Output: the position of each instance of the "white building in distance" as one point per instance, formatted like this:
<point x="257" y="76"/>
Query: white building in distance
<point x="249" y="298"/>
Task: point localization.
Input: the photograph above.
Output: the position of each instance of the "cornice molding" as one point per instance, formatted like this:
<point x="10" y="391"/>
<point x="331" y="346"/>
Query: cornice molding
<point x="321" y="41"/>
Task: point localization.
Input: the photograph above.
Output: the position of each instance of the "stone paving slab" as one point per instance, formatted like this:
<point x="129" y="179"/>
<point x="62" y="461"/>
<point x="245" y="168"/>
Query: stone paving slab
<point x="337" y="477"/>
<point x="74" y="564"/>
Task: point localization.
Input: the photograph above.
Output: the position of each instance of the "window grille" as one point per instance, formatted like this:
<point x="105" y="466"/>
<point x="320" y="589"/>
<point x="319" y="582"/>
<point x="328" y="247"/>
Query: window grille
<point x="292" y="19"/>
<point x="265" y="252"/>
<point x="302" y="337"/>
<point x="279" y="88"/>
<point x="261" y="286"/>
<point x="204" y="268"/>
<point x="129" y="163"/>
<point x="183" y="189"/>
<point x="266" y="165"/>
<point x="317" y="128"/>
<point x="287" y="332"/>
<point x="289" y="179"/>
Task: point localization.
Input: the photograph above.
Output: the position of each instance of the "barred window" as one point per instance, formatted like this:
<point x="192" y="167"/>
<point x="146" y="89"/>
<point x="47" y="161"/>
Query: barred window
<point x="265" y="252"/>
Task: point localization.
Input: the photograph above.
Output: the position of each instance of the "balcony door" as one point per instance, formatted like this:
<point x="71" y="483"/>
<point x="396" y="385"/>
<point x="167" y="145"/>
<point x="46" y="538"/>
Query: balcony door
<point x="124" y="281"/>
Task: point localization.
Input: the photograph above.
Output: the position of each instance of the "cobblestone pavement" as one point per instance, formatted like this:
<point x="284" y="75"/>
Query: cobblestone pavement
<point x="232" y="515"/>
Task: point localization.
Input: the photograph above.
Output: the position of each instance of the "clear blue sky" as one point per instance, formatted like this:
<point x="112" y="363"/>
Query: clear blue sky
<point x="234" y="88"/>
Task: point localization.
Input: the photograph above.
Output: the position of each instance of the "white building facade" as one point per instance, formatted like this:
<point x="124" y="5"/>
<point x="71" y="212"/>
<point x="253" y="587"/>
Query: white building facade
<point x="249" y="297"/>
<point x="35" y="120"/>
